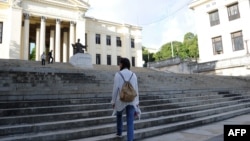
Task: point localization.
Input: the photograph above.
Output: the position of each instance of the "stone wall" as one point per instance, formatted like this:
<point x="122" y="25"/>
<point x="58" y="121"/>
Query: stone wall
<point x="238" y="66"/>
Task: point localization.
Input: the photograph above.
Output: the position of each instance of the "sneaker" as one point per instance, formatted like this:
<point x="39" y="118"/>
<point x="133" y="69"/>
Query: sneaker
<point x="119" y="136"/>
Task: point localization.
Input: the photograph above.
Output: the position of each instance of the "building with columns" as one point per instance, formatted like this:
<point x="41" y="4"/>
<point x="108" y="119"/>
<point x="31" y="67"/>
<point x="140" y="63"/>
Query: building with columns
<point x="223" y="36"/>
<point x="56" y="25"/>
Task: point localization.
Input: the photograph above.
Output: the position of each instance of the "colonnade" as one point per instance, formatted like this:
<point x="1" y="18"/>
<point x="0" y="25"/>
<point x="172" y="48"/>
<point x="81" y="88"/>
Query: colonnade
<point x="56" y="41"/>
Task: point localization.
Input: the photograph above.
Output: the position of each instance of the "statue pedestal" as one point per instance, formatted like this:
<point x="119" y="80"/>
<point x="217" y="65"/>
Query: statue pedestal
<point x="81" y="60"/>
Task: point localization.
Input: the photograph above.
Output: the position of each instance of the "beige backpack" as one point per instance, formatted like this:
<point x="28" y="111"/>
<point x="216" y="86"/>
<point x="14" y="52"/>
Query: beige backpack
<point x="127" y="93"/>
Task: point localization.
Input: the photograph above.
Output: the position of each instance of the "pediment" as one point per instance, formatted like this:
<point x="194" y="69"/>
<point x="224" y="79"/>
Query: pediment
<point x="72" y="4"/>
<point x="81" y="3"/>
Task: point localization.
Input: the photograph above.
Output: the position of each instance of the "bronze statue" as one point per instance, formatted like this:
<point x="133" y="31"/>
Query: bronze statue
<point x="78" y="47"/>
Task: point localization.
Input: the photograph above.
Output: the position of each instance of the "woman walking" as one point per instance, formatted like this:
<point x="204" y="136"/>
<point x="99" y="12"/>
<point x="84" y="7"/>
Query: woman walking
<point x="118" y="105"/>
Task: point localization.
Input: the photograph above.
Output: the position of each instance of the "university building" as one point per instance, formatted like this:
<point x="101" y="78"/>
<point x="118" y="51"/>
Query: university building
<point x="223" y="36"/>
<point x="56" y="25"/>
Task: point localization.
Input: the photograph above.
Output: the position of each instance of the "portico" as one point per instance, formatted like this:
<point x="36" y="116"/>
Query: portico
<point x="51" y="32"/>
<point x="48" y="34"/>
<point x="46" y="25"/>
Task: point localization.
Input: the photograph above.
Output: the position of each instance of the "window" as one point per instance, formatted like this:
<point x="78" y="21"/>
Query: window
<point x="108" y="40"/>
<point x="233" y="12"/>
<point x="118" y="42"/>
<point x="133" y="61"/>
<point x="237" y="41"/>
<point x="118" y="60"/>
<point x="98" y="39"/>
<point x="1" y="32"/>
<point x="98" y="58"/>
<point x="217" y="45"/>
<point x="108" y="59"/>
<point x="132" y="43"/>
<point x="214" y="18"/>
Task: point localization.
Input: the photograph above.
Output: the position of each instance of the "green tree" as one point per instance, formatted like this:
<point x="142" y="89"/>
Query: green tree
<point x="166" y="50"/>
<point x="187" y="49"/>
<point x="147" y="56"/>
<point x="190" y="46"/>
<point x="33" y="54"/>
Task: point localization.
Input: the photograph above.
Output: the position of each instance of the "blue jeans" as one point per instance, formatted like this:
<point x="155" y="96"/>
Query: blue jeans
<point x="130" y="111"/>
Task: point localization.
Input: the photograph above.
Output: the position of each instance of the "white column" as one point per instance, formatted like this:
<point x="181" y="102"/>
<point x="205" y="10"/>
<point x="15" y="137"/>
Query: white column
<point x="38" y="54"/>
<point x="52" y="40"/>
<point x="57" y="42"/>
<point x="80" y="31"/>
<point x="65" y="46"/>
<point x="22" y="42"/>
<point x="42" y="35"/>
<point x="71" y="38"/>
<point x="26" y="37"/>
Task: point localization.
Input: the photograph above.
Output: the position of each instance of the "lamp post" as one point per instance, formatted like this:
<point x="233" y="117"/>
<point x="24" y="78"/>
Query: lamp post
<point x="148" y="59"/>
<point x="172" y="49"/>
<point x="247" y="46"/>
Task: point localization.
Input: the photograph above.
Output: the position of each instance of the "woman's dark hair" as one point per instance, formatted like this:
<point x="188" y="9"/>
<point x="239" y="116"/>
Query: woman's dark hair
<point x="125" y="63"/>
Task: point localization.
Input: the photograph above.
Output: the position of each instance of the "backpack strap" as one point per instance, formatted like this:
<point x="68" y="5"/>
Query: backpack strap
<point x="130" y="76"/>
<point x="124" y="78"/>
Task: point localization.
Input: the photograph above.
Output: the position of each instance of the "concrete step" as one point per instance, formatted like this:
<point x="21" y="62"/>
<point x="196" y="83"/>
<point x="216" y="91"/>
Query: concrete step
<point x="12" y="120"/>
<point x="87" y="106"/>
<point x="69" y="134"/>
<point x="89" y="77"/>
<point x="46" y="93"/>
<point x="167" y="128"/>
<point x="91" y="119"/>
<point x="143" y="97"/>
<point x="94" y="113"/>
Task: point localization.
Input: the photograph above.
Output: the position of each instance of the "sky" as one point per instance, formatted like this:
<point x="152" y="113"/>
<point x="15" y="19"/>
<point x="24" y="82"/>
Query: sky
<point x="162" y="21"/>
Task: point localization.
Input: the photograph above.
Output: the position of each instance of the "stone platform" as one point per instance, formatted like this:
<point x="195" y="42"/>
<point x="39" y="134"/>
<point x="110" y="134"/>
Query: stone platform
<point x="81" y="60"/>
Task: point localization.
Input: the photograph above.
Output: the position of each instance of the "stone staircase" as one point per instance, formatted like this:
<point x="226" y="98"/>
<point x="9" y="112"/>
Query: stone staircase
<point x="60" y="103"/>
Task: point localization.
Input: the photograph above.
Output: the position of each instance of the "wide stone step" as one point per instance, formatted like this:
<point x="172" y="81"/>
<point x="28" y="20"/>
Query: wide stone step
<point x="72" y="79"/>
<point x="105" y="112"/>
<point x="80" y="91"/>
<point x="36" y="95"/>
<point x="56" y="125"/>
<point x="189" y="103"/>
<point x="84" y="107"/>
<point x="12" y="120"/>
<point x="43" y="103"/>
<point x="167" y="128"/>
<point x="53" y="109"/>
<point x="70" y="134"/>
<point x="146" y="99"/>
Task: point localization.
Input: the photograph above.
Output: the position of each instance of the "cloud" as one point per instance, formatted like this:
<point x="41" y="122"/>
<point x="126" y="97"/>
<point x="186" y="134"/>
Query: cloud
<point x="161" y="20"/>
<point x="178" y="26"/>
<point x="103" y="9"/>
<point x="172" y="31"/>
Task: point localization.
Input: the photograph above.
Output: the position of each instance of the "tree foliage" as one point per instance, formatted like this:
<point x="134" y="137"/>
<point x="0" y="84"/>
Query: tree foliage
<point x="166" y="50"/>
<point x="147" y="56"/>
<point x="187" y="49"/>
<point x="33" y="54"/>
<point x="190" y="44"/>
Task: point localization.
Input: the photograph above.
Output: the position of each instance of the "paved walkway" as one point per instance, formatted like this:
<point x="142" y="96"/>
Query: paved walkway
<point x="210" y="132"/>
